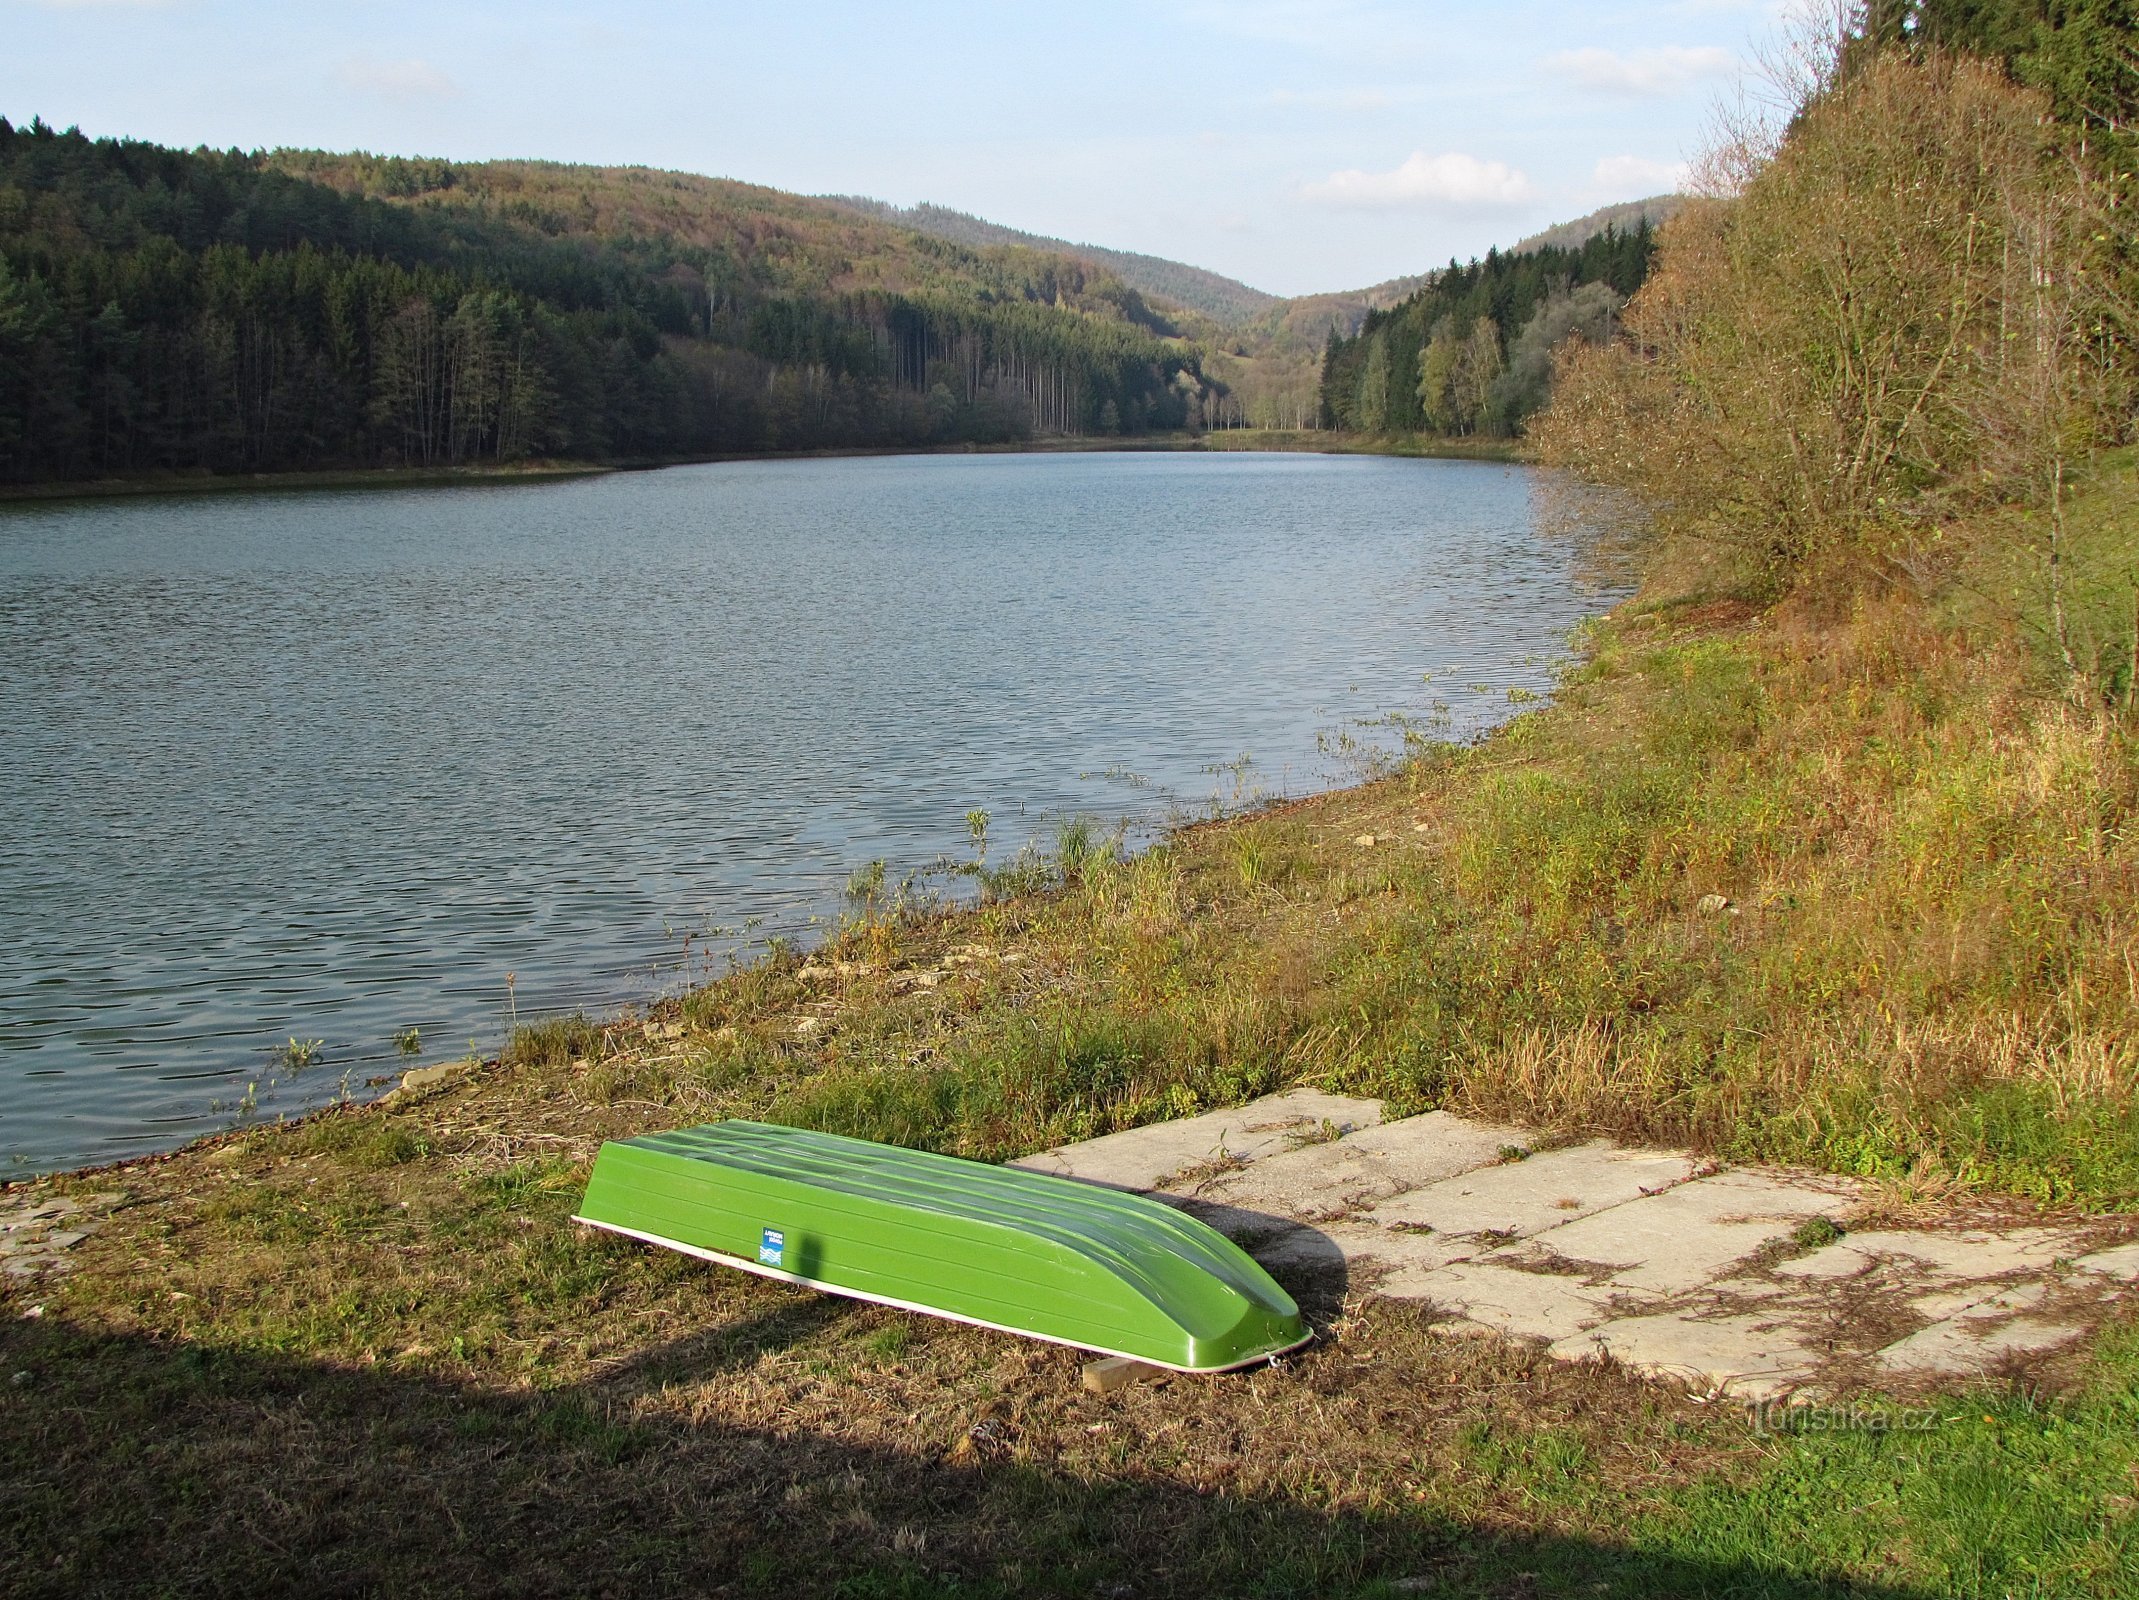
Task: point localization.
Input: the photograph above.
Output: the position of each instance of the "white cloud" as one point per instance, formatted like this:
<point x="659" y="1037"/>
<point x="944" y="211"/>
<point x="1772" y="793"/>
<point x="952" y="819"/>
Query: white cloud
<point x="413" y="79"/>
<point x="1636" y="177"/>
<point x="1453" y="181"/>
<point x="1646" y="74"/>
<point x="100" y="5"/>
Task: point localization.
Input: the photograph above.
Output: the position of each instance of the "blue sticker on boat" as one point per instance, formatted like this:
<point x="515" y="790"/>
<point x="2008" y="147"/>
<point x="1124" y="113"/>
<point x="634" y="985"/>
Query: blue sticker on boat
<point x="772" y="1246"/>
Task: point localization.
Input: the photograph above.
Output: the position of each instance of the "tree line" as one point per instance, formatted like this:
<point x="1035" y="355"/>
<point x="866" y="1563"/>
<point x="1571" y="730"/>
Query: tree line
<point x="170" y="311"/>
<point x="1905" y="336"/>
<point x="1472" y="351"/>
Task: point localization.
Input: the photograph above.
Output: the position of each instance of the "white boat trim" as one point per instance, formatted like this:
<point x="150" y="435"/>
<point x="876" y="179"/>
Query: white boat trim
<point x="763" y="1271"/>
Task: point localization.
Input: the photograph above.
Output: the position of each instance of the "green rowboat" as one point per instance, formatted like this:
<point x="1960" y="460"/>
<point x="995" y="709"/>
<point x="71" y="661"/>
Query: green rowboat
<point x="1046" y="1257"/>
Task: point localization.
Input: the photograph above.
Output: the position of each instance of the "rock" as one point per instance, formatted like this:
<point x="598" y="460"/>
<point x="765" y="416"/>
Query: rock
<point x="808" y="1025"/>
<point x="418" y="1079"/>
<point x="1716" y="905"/>
<point x="1365" y="841"/>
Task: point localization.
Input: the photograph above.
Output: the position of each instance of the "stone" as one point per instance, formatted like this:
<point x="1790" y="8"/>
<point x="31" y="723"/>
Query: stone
<point x="417" y="1079"/>
<point x="1365" y="841"/>
<point x="1528" y="1197"/>
<point x="2121" y="1262"/>
<point x="1678" y="1240"/>
<point x="1145" y="1158"/>
<point x="1320" y="1181"/>
<point x="1526" y="1305"/>
<point x="1748" y="1357"/>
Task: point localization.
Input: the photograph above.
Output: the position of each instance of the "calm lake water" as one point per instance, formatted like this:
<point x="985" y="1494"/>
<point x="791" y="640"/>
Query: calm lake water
<point x="334" y="765"/>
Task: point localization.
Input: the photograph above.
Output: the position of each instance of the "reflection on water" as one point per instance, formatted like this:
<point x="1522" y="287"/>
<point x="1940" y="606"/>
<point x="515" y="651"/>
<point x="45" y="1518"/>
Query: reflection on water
<point x="331" y="766"/>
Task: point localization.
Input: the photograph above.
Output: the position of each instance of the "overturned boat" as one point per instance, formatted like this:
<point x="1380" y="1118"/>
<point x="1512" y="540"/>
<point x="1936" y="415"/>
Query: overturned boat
<point x="1022" y="1252"/>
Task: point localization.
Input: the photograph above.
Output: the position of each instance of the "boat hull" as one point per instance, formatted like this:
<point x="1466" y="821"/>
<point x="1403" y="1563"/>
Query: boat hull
<point x="1044" y="1257"/>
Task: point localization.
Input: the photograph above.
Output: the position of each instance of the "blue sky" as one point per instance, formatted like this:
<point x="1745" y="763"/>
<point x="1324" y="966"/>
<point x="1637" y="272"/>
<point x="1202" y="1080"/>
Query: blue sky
<point x="1297" y="146"/>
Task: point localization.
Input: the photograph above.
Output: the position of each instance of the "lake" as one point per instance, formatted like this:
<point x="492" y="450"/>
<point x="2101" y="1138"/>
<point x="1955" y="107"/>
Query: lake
<point x="335" y="765"/>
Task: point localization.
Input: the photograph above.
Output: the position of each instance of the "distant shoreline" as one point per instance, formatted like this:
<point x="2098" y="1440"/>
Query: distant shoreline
<point x="1306" y="441"/>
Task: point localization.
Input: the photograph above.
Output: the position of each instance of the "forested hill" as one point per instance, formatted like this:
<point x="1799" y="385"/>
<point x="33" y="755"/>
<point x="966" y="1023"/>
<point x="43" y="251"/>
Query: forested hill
<point x="1224" y="300"/>
<point x="167" y="310"/>
<point x="1624" y="217"/>
<point x="1472" y="351"/>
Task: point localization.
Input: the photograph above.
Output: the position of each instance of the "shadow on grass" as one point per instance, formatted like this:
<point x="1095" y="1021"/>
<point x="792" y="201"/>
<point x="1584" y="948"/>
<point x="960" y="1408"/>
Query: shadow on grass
<point x="128" y="1466"/>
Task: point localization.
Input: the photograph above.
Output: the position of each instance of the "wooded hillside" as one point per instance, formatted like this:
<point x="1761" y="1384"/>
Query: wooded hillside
<point x="166" y="310"/>
<point x="1471" y="352"/>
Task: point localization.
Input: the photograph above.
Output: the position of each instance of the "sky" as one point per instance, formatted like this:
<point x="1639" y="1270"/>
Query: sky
<point x="1299" y="147"/>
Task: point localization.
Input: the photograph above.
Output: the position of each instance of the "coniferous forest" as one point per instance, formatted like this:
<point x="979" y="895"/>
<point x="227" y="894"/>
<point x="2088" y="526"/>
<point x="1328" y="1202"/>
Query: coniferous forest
<point x="167" y="311"/>
<point x="1472" y="351"/>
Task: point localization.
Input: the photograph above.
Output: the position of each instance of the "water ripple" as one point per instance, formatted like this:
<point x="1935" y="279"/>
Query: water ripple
<point x="334" y="765"/>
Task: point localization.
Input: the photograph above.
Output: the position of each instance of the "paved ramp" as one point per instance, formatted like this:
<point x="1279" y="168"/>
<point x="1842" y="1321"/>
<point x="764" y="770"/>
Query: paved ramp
<point x="1756" y="1283"/>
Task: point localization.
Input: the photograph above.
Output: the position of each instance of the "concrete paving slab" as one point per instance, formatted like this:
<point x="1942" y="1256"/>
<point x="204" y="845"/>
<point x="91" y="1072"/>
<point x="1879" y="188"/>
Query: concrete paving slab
<point x="1301" y="1253"/>
<point x="2121" y="1262"/>
<point x="1748" y="1356"/>
<point x="1964" y="1254"/>
<point x="1321" y="1181"/>
<point x="1251" y="1230"/>
<point x="1581" y="1249"/>
<point x="1975" y="1344"/>
<point x="1525" y="1305"/>
<point x="1145" y="1158"/>
<point x="1680" y="1239"/>
<point x="1394" y="1264"/>
<point x="1545" y="1191"/>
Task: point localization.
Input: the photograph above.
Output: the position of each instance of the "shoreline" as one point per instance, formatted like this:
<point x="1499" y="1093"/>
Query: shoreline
<point x="1279" y="441"/>
<point x="438" y="1075"/>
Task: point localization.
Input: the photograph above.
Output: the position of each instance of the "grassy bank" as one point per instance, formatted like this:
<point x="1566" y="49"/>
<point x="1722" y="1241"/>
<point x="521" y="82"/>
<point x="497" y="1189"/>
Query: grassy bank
<point x="1840" y="887"/>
